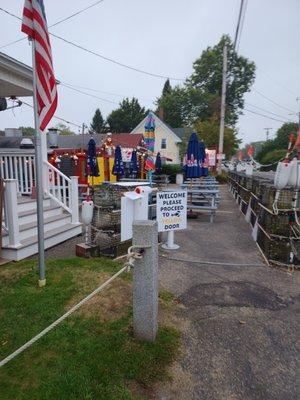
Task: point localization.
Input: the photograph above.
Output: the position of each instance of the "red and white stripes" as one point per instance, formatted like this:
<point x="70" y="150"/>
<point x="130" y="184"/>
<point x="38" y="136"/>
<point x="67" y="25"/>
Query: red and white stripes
<point x="35" y="26"/>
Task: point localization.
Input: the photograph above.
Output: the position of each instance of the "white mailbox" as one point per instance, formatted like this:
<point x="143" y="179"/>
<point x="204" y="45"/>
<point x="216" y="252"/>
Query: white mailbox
<point x="134" y="207"/>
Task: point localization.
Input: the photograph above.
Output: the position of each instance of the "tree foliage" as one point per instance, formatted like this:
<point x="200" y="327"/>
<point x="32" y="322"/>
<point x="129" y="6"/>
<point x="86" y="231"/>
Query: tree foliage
<point x="199" y="98"/>
<point x="126" y="117"/>
<point x="280" y="141"/>
<point x="208" y="131"/>
<point x="167" y="88"/>
<point x="64" y="129"/>
<point x="27" y="130"/>
<point x="98" y="123"/>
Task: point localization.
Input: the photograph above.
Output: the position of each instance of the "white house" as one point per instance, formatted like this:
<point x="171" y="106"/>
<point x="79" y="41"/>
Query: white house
<point x="166" y="140"/>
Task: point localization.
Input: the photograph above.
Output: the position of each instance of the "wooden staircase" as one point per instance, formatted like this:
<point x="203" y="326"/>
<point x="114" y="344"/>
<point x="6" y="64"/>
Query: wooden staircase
<point x="58" y="227"/>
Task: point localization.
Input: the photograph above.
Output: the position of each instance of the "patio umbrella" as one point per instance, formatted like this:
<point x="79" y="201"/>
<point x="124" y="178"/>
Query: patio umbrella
<point x="202" y="158"/>
<point x="118" y="168"/>
<point x="133" y="167"/>
<point x="158" y="166"/>
<point x="92" y="163"/>
<point x="192" y="163"/>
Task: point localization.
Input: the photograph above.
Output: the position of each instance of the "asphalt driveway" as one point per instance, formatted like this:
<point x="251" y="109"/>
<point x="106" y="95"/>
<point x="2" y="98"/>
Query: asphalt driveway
<point x="240" y="325"/>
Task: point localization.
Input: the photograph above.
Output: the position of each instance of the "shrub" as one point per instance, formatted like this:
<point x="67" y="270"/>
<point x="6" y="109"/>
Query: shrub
<point x="172" y="170"/>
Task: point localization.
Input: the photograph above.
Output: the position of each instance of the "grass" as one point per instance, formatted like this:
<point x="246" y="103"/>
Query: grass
<point x="83" y="358"/>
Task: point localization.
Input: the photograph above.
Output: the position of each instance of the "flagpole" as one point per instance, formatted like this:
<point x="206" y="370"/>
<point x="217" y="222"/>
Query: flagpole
<point x="39" y="176"/>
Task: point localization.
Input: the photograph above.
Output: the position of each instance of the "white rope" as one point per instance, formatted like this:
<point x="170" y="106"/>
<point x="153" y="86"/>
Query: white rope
<point x="213" y="263"/>
<point x="62" y="318"/>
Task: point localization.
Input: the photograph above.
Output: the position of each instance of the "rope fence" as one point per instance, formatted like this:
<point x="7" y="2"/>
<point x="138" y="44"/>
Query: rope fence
<point x="129" y="263"/>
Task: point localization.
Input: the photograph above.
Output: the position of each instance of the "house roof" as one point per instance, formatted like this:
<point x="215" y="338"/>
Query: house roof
<point x="127" y="140"/>
<point x="15" y="77"/>
<point x="179" y="132"/>
<point x="158" y="121"/>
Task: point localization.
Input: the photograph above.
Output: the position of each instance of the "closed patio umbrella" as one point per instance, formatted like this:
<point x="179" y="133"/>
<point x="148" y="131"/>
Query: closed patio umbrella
<point x="202" y="157"/>
<point x="134" y="167"/>
<point x="158" y="166"/>
<point x="118" y="168"/>
<point x="192" y="163"/>
<point x="92" y="163"/>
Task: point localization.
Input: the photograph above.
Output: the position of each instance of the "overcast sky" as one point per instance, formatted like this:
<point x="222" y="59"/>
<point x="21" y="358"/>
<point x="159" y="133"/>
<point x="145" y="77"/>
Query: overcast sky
<point x="162" y="37"/>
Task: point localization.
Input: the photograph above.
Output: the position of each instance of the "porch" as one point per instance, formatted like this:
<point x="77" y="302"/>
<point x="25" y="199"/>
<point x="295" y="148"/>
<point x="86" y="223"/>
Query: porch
<point x="17" y="170"/>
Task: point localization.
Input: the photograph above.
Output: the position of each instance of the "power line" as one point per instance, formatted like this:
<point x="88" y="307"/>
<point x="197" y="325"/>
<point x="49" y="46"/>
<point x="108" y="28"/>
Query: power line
<point x="102" y="91"/>
<point x="54" y="116"/>
<point x="266" y="116"/>
<point x="278" y="83"/>
<point x="270" y="112"/>
<point x="141" y="71"/>
<point x="240" y="23"/>
<point x="88" y="94"/>
<point x="111" y="60"/>
<point x="272" y="101"/>
<point x="56" y="23"/>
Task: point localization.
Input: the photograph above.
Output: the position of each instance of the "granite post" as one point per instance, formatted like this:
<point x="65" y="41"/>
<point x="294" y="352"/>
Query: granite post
<point x="145" y="281"/>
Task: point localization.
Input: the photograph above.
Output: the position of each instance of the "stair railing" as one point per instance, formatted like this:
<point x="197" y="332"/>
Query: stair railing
<point x="62" y="190"/>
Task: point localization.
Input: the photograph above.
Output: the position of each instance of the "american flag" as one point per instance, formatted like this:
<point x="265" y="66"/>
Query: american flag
<point x="34" y="24"/>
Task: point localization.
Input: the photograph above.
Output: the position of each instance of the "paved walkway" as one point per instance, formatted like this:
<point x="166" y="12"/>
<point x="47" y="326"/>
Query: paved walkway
<point x="240" y="324"/>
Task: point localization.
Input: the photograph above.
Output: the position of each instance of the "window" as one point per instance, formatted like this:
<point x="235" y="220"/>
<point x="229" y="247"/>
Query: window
<point x="163" y="143"/>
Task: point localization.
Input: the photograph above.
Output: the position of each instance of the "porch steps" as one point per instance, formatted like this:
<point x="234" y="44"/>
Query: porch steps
<point x="57" y="229"/>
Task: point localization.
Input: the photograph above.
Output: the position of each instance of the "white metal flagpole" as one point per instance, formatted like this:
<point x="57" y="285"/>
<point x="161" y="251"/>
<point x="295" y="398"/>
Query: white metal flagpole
<point x="39" y="176"/>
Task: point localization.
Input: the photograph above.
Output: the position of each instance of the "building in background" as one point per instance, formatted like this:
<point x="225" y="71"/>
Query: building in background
<point x="166" y="140"/>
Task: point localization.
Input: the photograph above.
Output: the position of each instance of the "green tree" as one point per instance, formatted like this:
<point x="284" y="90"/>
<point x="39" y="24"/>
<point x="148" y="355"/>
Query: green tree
<point x="208" y="131"/>
<point x="167" y="88"/>
<point x="200" y="96"/>
<point x="98" y="123"/>
<point x="27" y="130"/>
<point x="174" y="106"/>
<point x="207" y="78"/>
<point x="280" y="141"/>
<point x="64" y="129"/>
<point x="127" y="116"/>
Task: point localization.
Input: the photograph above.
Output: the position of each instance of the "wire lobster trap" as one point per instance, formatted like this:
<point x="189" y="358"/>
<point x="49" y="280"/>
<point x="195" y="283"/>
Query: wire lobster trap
<point x="275" y="248"/>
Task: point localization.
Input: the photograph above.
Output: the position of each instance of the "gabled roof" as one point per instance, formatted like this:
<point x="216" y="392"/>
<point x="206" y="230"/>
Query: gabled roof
<point x="158" y="121"/>
<point x="127" y="140"/>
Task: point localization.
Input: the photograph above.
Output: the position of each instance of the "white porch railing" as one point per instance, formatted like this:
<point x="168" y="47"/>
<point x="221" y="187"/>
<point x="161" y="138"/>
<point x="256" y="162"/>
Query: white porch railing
<point x="21" y="168"/>
<point x="62" y="190"/>
<point x="18" y="172"/>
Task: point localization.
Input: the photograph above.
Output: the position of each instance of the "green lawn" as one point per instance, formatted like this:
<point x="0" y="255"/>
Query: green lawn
<point x="92" y="354"/>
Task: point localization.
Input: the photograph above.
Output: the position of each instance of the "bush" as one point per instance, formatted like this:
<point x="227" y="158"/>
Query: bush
<point x="172" y="170"/>
<point x="273" y="156"/>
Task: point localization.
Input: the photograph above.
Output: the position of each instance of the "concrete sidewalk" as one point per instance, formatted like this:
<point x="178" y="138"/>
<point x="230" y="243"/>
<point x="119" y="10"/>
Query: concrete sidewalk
<point x="240" y="325"/>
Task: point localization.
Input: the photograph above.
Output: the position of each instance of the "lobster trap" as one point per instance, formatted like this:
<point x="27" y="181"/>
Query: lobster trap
<point x="274" y="212"/>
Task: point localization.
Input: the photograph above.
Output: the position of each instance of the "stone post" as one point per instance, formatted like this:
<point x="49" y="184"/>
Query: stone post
<point x="145" y="281"/>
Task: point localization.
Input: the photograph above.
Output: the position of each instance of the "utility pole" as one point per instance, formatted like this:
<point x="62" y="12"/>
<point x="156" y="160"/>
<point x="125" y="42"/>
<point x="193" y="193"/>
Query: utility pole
<point x="223" y="106"/>
<point x="298" y="100"/>
<point x="267" y="132"/>
<point x="82" y="133"/>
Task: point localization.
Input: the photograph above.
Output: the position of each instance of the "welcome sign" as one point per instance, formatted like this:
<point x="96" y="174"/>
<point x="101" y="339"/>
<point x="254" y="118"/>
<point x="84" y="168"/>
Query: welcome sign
<point x="171" y="210"/>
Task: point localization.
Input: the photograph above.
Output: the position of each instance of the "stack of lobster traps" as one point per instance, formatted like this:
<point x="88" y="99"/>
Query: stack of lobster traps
<point x="106" y="223"/>
<point x="273" y="214"/>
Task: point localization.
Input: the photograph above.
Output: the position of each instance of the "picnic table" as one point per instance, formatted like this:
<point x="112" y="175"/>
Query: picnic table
<point x="203" y="199"/>
<point x="162" y="179"/>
